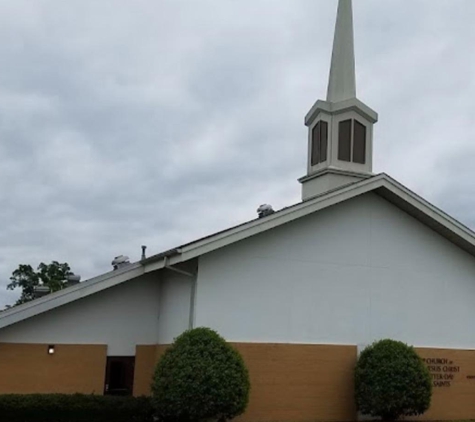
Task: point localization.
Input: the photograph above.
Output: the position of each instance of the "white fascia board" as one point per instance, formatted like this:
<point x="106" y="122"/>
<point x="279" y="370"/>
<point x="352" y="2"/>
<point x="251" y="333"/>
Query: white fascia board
<point x="282" y="217"/>
<point x="380" y="183"/>
<point x="375" y="183"/>
<point x="71" y="294"/>
<point x="254" y="227"/>
<point x="164" y="261"/>
<point x="430" y="211"/>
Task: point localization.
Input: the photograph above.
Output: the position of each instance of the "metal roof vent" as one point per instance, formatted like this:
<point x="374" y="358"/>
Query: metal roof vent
<point x="72" y="280"/>
<point x="120" y="261"/>
<point x="265" y="210"/>
<point x="41" y="290"/>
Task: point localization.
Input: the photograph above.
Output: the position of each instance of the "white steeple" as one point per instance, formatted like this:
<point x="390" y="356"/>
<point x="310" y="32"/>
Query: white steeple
<point x="340" y="142"/>
<point x="342" y="84"/>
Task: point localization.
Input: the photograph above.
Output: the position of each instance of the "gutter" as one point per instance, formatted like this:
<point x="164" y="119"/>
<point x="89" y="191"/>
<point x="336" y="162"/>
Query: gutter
<point x="160" y="256"/>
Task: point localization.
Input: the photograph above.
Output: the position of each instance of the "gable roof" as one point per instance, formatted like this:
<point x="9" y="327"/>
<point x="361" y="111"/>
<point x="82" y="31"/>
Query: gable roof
<point x="381" y="184"/>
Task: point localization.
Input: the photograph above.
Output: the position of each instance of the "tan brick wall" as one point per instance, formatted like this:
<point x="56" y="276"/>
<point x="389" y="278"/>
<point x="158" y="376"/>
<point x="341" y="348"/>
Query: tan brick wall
<point x="28" y="368"/>
<point x="300" y="382"/>
<point x="294" y="383"/>
<point x="289" y="382"/>
<point x="146" y="358"/>
<point x="145" y="361"/>
<point x="453" y="374"/>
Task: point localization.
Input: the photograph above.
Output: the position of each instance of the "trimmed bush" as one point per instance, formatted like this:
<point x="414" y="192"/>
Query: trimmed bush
<point x="200" y="377"/>
<point x="74" y="408"/>
<point x="391" y="381"/>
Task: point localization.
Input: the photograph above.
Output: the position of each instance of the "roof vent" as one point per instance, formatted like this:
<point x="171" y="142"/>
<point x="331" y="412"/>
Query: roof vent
<point x="72" y="280"/>
<point x="120" y="261"/>
<point x="265" y="210"/>
<point x="41" y="290"/>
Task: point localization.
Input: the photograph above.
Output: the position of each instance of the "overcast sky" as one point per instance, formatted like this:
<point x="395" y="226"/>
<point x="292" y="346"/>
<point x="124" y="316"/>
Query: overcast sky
<point x="155" y="122"/>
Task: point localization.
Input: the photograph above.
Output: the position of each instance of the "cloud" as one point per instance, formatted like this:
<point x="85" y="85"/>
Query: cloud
<point x="128" y="123"/>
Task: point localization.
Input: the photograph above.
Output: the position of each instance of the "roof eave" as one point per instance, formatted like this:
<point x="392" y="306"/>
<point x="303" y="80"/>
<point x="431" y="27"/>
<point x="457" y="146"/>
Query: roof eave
<point x="382" y="185"/>
<point x="70" y="294"/>
<point x="429" y="215"/>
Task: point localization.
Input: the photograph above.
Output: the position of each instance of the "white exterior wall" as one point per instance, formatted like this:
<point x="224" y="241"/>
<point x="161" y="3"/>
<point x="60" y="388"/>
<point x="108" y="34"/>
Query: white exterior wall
<point x="121" y="317"/>
<point x="174" y="317"/>
<point x="354" y="273"/>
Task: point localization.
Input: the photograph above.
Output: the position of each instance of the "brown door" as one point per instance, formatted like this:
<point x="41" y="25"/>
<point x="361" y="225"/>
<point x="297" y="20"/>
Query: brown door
<point x="119" y="376"/>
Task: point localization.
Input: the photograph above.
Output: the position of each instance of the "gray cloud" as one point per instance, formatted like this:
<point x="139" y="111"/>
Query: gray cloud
<point x="127" y="123"/>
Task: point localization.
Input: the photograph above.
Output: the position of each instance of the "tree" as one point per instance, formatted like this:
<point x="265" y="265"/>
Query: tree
<point x="391" y="381"/>
<point x="26" y="278"/>
<point x="200" y="378"/>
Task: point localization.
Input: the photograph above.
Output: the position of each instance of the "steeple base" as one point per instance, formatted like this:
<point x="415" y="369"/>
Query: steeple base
<point x="327" y="180"/>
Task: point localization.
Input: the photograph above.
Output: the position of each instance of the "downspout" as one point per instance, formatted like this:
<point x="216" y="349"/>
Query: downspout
<point x="191" y="320"/>
<point x="191" y="315"/>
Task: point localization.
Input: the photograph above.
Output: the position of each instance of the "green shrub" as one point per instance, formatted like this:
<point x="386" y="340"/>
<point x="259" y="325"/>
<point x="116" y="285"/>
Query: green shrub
<point x="391" y="381"/>
<point x="200" y="377"/>
<point x="74" y="408"/>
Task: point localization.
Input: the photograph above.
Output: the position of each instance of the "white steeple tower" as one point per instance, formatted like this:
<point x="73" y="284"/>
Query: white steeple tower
<point x="342" y="84"/>
<point x="340" y="141"/>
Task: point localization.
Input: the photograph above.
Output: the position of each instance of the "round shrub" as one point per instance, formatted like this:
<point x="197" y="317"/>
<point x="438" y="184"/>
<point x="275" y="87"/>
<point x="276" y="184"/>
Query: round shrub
<point x="200" y="377"/>
<point x="391" y="381"/>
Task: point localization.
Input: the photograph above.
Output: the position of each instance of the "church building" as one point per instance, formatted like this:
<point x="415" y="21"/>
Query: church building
<point x="299" y="292"/>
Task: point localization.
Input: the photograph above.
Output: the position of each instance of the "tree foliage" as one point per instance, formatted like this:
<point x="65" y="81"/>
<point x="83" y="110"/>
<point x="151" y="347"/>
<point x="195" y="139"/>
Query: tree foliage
<point x="391" y="381"/>
<point x="26" y="278"/>
<point x="200" y="378"/>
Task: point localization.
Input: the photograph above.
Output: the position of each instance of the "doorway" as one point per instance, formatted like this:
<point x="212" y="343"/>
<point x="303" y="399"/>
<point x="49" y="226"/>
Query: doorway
<point x="119" y="376"/>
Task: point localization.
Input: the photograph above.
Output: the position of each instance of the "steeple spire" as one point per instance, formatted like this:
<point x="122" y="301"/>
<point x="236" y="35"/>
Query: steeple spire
<point x="340" y="135"/>
<point x="342" y="84"/>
